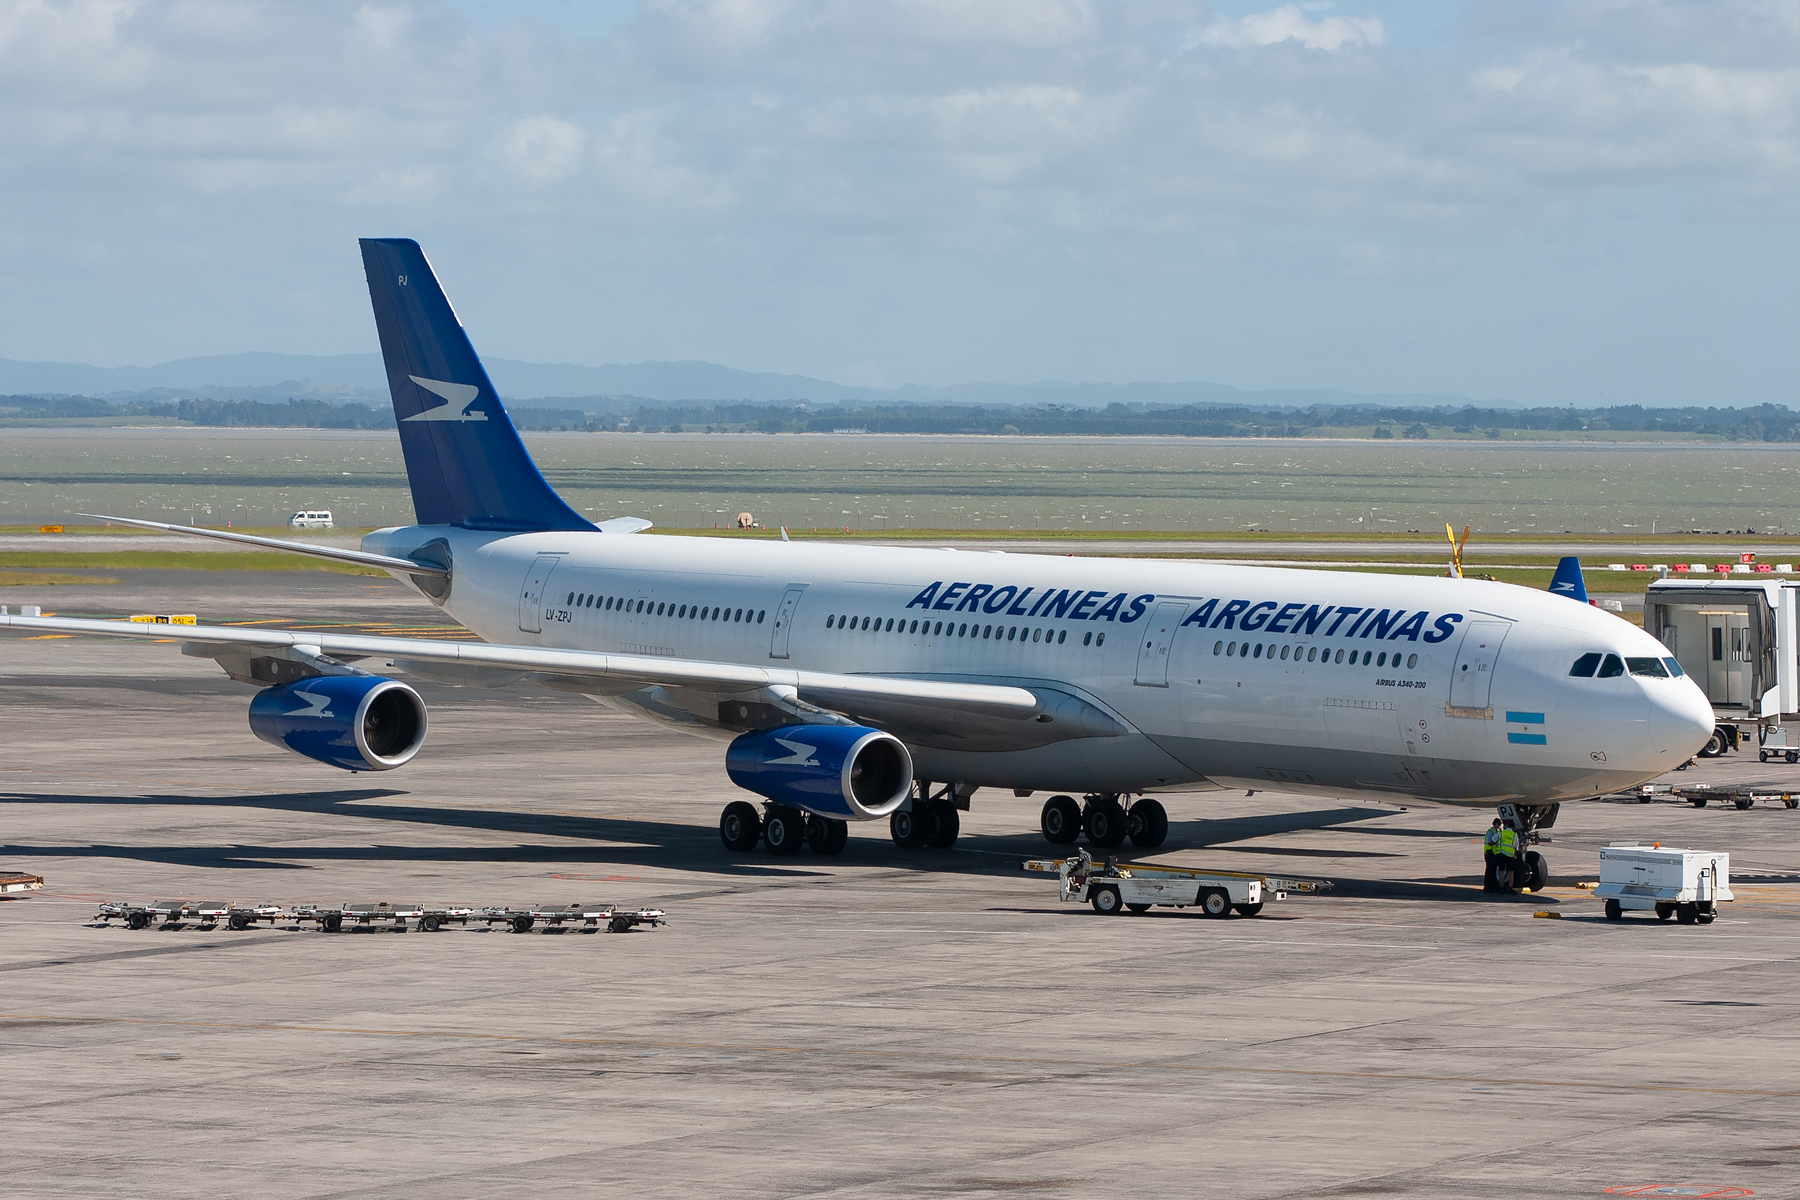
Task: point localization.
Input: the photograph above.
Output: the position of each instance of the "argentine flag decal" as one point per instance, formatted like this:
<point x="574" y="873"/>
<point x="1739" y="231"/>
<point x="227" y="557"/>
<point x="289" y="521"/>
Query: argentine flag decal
<point x="1525" y="729"/>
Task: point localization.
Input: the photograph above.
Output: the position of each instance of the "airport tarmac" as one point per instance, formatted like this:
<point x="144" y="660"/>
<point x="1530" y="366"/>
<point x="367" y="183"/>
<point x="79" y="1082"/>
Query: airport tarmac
<point x="886" y="1023"/>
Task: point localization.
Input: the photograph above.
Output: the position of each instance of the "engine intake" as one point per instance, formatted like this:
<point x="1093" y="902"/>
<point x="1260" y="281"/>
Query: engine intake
<point x="846" y="771"/>
<point x="357" y="722"/>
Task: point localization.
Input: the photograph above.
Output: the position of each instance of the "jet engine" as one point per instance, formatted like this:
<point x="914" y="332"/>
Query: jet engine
<point x="849" y="772"/>
<point x="357" y="722"/>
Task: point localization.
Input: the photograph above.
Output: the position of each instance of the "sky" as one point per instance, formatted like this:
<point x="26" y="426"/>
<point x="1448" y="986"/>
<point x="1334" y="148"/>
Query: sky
<point x="1591" y="202"/>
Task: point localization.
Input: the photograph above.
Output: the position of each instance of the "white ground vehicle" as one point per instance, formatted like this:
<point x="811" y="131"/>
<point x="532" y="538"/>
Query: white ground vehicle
<point x="1685" y="884"/>
<point x="1112" y="887"/>
<point x="311" y="518"/>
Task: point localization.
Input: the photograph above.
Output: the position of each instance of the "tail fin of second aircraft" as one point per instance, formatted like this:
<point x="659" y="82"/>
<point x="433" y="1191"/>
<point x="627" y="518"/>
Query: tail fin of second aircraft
<point x="464" y="460"/>
<point x="1568" y="580"/>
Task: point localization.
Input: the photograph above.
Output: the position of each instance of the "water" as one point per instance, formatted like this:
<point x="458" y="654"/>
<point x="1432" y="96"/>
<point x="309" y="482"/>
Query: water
<point x="259" y="476"/>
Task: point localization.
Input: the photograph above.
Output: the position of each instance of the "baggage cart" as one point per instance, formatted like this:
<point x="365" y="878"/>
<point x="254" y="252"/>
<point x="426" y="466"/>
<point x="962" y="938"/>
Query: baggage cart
<point x="1112" y="887"/>
<point x="1687" y="885"/>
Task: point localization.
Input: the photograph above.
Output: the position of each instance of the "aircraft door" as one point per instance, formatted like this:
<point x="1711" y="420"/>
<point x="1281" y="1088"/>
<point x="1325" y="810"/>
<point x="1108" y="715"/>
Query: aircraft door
<point x="1472" y="678"/>
<point x="531" y="596"/>
<point x="1153" y="643"/>
<point x="784" y="617"/>
<point x="1728" y="656"/>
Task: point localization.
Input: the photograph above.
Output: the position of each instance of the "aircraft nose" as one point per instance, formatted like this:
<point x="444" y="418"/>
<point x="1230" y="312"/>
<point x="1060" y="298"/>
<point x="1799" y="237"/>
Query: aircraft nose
<point x="1681" y="719"/>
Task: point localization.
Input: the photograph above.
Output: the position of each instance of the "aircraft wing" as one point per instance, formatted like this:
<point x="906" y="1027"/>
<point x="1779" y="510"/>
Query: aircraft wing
<point x="833" y="689"/>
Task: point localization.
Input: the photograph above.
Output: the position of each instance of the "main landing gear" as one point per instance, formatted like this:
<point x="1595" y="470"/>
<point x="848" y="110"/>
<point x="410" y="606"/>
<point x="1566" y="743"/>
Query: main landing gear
<point x="930" y="820"/>
<point x="1105" y="820"/>
<point x="781" y="828"/>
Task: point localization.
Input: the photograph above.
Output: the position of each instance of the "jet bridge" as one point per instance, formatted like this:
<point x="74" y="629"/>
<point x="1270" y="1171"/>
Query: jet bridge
<point x="1737" y="640"/>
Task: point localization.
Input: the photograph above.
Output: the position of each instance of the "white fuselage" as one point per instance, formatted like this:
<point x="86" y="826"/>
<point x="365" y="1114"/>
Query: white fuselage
<point x="1182" y="675"/>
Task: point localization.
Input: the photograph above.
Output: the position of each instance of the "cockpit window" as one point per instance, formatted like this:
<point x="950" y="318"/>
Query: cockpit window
<point x="1611" y="667"/>
<point x="1584" y="666"/>
<point x="1652" y="667"/>
<point x="1674" y="667"/>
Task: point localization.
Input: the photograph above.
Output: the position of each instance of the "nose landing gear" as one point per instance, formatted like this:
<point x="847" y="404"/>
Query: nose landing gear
<point x="1525" y="869"/>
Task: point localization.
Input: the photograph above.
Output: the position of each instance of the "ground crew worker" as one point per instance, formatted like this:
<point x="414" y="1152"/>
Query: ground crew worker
<point x="1490" y="854"/>
<point x="1508" y="863"/>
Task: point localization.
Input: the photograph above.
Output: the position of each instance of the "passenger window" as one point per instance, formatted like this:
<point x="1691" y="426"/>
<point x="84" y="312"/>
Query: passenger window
<point x="1651" y="667"/>
<point x="1674" y="668"/>
<point x="1611" y="667"/>
<point x="1100" y="640"/>
<point x="1412" y="660"/>
<point x="1340" y="656"/>
<point x="1584" y="666"/>
<point x="1062" y="637"/>
<point x="1087" y="638"/>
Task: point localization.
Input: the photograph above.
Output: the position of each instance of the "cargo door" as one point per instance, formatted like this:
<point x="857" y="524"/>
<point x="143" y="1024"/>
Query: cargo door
<point x="1364" y="726"/>
<point x="1472" y="678"/>
<point x="784" y="616"/>
<point x="1153" y="644"/>
<point x="531" y="596"/>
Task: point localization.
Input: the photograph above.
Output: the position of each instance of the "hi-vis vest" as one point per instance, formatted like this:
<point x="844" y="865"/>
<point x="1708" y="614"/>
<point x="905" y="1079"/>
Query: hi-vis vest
<point x="1509" y="842"/>
<point x="1493" y="840"/>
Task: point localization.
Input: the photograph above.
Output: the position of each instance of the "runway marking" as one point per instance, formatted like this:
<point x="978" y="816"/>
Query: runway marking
<point x="897" y="1055"/>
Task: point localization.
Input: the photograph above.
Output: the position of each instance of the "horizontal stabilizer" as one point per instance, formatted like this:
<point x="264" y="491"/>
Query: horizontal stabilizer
<point x="360" y="558"/>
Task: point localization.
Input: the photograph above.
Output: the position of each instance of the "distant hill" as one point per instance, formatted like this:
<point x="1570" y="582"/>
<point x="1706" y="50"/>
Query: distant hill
<point x="657" y="381"/>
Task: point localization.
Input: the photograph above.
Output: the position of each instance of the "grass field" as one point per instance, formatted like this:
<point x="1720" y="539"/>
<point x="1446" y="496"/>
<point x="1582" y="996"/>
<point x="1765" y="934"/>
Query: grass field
<point x="171" y="560"/>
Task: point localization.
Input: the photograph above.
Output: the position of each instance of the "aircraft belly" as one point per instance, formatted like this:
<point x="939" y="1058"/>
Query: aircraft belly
<point x="1132" y="763"/>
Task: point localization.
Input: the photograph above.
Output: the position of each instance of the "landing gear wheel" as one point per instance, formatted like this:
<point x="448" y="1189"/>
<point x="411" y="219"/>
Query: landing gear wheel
<point x="740" y="827"/>
<point x="946" y="824"/>
<point x="331" y="922"/>
<point x="1538" y="870"/>
<point x="827" y="835"/>
<point x="1106" y="824"/>
<point x="1614" y="912"/>
<point x="1060" y="820"/>
<point x="522" y="923"/>
<point x="1138" y="908"/>
<point x="1147" y="823"/>
<point x="1215" y="904"/>
<point x="428" y="924"/>
<point x="910" y="828"/>
<point x="1665" y="912"/>
<point x="1248" y="910"/>
<point x="1687" y="914"/>
<point x="1105" y="900"/>
<point x="784" y="830"/>
<point x="136" y="921"/>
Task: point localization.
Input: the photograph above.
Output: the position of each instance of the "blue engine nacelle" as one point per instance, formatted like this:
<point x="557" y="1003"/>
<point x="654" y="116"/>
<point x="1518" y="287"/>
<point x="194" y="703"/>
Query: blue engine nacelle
<point x="846" y="771"/>
<point x="357" y="722"/>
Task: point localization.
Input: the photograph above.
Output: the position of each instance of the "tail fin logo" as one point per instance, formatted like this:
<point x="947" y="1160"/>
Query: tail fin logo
<point x="458" y="397"/>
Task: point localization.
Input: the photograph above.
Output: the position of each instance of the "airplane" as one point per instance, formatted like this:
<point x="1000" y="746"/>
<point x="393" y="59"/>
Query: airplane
<point x="864" y="683"/>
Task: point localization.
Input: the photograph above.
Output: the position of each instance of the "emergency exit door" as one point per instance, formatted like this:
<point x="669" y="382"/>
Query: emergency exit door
<point x="1153" y="644"/>
<point x="1472" y="678"/>
<point x="531" y="596"/>
<point x="784" y="617"/>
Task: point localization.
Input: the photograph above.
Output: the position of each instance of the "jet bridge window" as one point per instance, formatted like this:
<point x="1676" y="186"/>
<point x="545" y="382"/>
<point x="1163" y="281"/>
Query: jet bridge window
<point x="1651" y="667"/>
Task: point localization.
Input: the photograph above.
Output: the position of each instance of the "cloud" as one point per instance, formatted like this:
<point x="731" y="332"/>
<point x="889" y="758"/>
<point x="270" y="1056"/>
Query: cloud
<point x="1289" y="24"/>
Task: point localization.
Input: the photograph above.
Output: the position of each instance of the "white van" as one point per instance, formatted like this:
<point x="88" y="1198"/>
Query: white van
<point x="319" y="518"/>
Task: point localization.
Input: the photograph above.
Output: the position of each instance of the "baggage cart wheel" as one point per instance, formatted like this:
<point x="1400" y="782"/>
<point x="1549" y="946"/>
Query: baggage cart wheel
<point x="1787" y="803"/>
<point x="619" y="925"/>
<point x="1665" y="912"/>
<point x="331" y="922"/>
<point x="740" y="826"/>
<point x="1248" y="910"/>
<point x="1793" y="756"/>
<point x="1106" y="824"/>
<point x="522" y="923"/>
<point x="428" y="924"/>
<point x="136" y="920"/>
<point x="1215" y="903"/>
<point x="1762" y="756"/>
<point x="1744" y="803"/>
<point x="784" y="830"/>
<point x="1147" y="823"/>
<point x="1698" y="801"/>
<point x="1060" y="820"/>
<point x="1705" y="918"/>
<point x="1613" y="911"/>
<point x="1715" y="745"/>
<point x="1687" y="914"/>
<point x="238" y="921"/>
<point x="1138" y="908"/>
<point x="1105" y="900"/>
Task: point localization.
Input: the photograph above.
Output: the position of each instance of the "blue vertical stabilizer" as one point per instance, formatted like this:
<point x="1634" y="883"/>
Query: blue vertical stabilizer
<point x="1568" y="581"/>
<point x="464" y="460"/>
